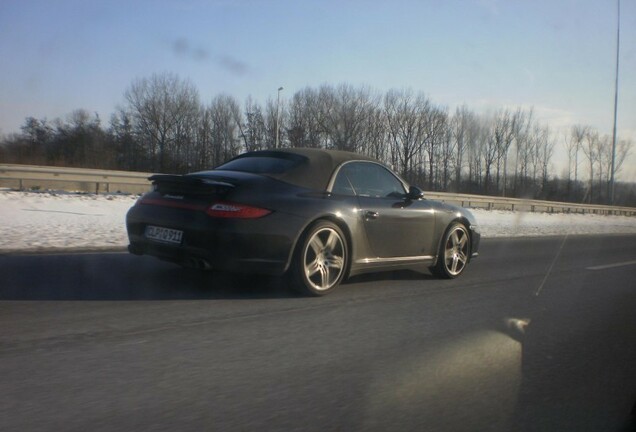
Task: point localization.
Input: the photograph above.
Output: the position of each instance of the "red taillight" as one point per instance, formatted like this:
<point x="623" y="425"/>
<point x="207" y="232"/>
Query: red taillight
<point x="170" y="203"/>
<point x="236" y="211"/>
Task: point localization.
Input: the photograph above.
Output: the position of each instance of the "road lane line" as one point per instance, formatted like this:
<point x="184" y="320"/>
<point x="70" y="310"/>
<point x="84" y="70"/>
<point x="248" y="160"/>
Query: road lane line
<point x="609" y="266"/>
<point x="547" y="275"/>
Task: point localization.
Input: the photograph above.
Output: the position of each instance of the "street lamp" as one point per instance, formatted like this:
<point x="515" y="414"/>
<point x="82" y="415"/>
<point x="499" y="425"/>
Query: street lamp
<point x="278" y="117"/>
<point x="618" y="38"/>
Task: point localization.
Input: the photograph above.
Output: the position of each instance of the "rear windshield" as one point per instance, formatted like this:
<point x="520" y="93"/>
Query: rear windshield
<point x="278" y="164"/>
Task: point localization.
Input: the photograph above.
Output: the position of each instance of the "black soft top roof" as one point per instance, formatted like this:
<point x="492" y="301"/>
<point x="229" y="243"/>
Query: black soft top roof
<point x="314" y="167"/>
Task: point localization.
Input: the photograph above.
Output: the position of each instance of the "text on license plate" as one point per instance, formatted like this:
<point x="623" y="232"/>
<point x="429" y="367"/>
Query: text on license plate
<point x="166" y="235"/>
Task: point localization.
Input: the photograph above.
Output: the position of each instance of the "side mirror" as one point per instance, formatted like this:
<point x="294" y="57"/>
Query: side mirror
<point x="415" y="193"/>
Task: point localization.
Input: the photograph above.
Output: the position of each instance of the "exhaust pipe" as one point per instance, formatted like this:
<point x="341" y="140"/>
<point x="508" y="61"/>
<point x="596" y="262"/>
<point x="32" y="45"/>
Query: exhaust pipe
<point x="203" y="264"/>
<point x="135" y="250"/>
<point x="197" y="263"/>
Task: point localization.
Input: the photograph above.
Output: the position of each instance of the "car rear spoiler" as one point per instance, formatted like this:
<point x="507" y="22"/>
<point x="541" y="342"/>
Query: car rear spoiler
<point x="170" y="183"/>
<point x="187" y="180"/>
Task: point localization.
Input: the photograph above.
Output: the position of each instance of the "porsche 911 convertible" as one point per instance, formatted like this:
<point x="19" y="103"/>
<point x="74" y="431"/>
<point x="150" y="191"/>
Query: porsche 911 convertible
<point x="314" y="216"/>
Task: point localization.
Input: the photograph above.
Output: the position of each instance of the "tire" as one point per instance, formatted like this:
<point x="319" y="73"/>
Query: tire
<point x="454" y="252"/>
<point x="321" y="259"/>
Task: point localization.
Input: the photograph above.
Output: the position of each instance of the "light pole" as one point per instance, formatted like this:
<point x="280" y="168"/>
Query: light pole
<point x="618" y="38"/>
<point x="278" y="116"/>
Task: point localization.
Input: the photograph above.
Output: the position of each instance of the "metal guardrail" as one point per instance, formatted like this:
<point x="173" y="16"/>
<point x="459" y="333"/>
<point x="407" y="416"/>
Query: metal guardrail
<point x="32" y="177"/>
<point x="29" y="177"/>
<point x="503" y="203"/>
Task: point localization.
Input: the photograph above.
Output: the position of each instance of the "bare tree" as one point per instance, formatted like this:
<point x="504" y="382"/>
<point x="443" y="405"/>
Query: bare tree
<point x="502" y="131"/>
<point x="130" y="155"/>
<point x="623" y="150"/>
<point x="254" y="131"/>
<point x="274" y="114"/>
<point x="304" y="129"/>
<point x="225" y="115"/>
<point x="344" y="113"/>
<point x="604" y="155"/>
<point x="604" y="150"/>
<point x="517" y="127"/>
<point x="545" y="151"/>
<point x="524" y="144"/>
<point x="577" y="135"/>
<point x="448" y="152"/>
<point x="160" y="106"/>
<point x="37" y="135"/>
<point x="460" y="126"/>
<point x="435" y="127"/>
<point x="375" y="136"/>
<point x="573" y="147"/>
<point x="490" y="150"/>
<point x="590" y="150"/>
<point x="475" y="140"/>
<point x="205" y="157"/>
<point x="405" y="116"/>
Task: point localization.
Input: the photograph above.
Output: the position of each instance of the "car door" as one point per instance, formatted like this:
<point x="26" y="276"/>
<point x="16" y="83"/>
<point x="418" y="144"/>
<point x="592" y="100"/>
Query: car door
<point x="395" y="225"/>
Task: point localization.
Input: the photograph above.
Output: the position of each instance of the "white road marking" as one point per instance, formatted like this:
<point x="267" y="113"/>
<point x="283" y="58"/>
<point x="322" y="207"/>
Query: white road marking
<point x="609" y="266"/>
<point x="556" y="257"/>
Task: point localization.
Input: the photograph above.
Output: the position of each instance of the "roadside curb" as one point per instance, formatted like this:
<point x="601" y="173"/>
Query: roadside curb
<point x="64" y="251"/>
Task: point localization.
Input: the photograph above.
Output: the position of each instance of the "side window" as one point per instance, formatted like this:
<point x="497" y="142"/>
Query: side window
<point x="367" y="179"/>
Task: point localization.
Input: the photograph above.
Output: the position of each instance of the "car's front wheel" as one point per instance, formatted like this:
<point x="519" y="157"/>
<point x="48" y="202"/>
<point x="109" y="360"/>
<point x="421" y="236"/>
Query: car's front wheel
<point x="454" y="252"/>
<point x="320" y="261"/>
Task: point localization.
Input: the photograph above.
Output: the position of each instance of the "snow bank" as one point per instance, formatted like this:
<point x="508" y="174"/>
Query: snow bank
<point x="33" y="221"/>
<point x="499" y="223"/>
<point x="37" y="221"/>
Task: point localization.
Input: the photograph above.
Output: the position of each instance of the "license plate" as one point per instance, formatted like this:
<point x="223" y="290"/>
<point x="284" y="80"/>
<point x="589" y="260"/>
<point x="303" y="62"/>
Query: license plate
<point x="165" y="235"/>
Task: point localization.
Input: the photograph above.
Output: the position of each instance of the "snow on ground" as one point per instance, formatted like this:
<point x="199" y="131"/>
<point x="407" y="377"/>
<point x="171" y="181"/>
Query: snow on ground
<point x="500" y="223"/>
<point x="42" y="221"/>
<point x="38" y="221"/>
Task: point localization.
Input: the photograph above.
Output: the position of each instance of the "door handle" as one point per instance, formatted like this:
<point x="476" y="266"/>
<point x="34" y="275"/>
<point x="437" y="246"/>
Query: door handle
<point x="370" y="214"/>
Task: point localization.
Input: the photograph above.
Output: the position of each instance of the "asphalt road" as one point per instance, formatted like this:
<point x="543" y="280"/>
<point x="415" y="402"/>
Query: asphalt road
<point x="538" y="335"/>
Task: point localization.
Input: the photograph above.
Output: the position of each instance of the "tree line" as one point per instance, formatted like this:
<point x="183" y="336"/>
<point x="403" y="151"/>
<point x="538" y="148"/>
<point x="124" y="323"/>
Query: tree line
<point x="163" y="126"/>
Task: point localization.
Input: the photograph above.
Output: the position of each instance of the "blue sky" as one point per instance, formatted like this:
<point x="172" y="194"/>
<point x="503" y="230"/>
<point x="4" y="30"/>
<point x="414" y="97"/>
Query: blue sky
<point x="556" y="56"/>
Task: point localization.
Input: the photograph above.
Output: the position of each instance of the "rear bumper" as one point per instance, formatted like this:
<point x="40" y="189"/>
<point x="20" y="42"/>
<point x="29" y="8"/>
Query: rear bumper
<point x="205" y="260"/>
<point x="252" y="246"/>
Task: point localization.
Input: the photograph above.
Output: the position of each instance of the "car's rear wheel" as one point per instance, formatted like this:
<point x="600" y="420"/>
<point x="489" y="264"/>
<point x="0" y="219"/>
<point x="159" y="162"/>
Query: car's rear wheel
<point x="321" y="259"/>
<point x="454" y="252"/>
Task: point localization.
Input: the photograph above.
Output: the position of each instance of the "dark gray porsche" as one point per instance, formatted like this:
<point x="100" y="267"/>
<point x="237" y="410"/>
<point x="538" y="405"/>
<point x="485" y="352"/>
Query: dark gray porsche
<point x="316" y="216"/>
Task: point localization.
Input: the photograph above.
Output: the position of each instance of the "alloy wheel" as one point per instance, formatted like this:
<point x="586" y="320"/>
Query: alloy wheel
<point x="456" y="249"/>
<point x="324" y="259"/>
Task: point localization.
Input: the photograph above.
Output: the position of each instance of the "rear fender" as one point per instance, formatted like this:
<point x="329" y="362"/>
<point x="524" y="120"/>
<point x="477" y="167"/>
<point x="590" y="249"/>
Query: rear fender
<point x="339" y="221"/>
